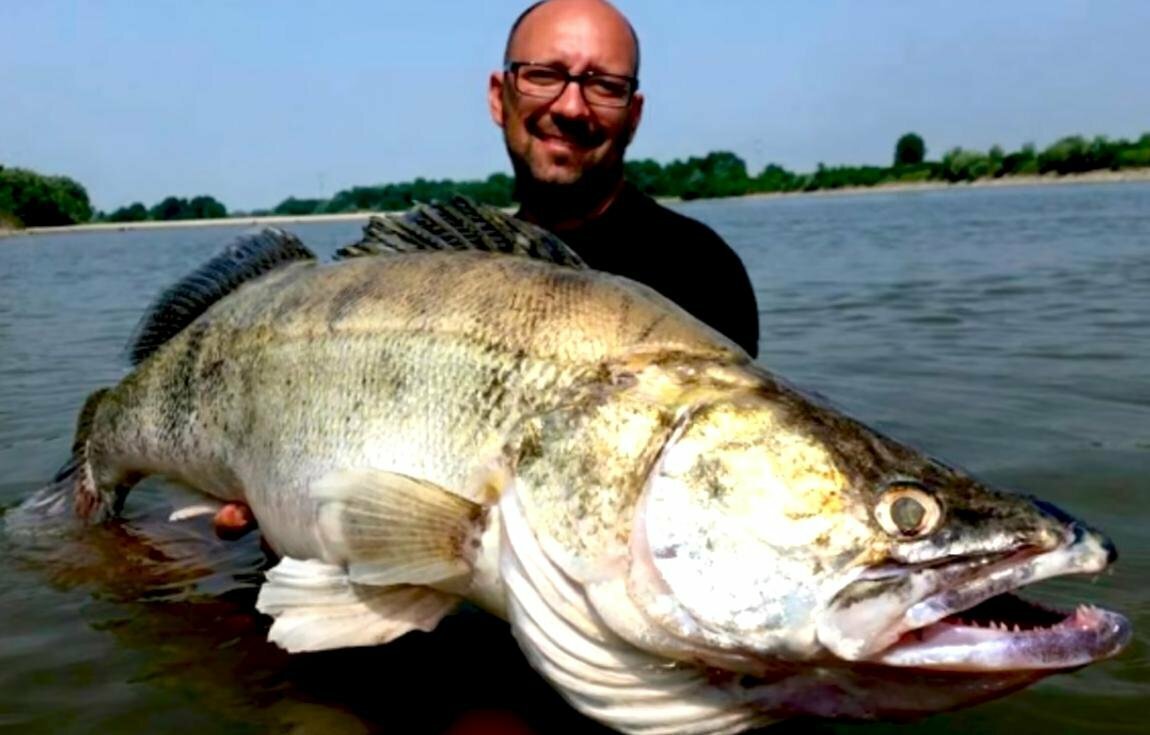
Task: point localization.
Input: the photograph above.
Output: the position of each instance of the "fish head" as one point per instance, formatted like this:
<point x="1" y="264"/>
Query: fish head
<point x="775" y="529"/>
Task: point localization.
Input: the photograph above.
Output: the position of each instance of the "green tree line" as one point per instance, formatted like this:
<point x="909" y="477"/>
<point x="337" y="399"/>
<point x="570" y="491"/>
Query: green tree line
<point x="168" y="209"/>
<point x="724" y="174"/>
<point x="496" y="189"/>
<point x="30" y="199"/>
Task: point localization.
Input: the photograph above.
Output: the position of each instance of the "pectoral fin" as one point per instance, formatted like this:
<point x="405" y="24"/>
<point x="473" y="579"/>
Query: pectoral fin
<point x="317" y="608"/>
<point x="393" y="529"/>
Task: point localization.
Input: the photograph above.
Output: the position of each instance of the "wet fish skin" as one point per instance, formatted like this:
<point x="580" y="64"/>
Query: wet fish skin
<point x="409" y="362"/>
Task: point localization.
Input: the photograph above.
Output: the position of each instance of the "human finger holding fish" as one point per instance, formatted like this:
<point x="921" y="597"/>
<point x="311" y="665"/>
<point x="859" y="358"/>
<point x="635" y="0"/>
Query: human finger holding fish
<point x="681" y="542"/>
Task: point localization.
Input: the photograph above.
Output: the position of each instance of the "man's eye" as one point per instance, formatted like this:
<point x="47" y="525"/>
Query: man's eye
<point x="543" y="77"/>
<point x="607" y="87"/>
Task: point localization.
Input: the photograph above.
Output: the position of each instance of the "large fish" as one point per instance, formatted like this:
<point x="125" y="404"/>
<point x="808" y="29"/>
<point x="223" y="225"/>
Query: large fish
<point x="681" y="542"/>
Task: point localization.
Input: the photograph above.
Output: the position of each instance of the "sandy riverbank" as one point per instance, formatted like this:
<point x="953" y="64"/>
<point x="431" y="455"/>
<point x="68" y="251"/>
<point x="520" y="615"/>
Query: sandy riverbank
<point x="226" y="222"/>
<point x="1090" y="177"/>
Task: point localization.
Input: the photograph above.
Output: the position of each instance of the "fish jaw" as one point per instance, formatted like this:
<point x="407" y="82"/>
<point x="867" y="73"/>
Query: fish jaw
<point x="874" y="692"/>
<point x="961" y="616"/>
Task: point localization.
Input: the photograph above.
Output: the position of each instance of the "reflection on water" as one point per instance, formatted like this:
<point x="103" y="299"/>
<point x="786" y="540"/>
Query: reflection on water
<point x="1006" y="331"/>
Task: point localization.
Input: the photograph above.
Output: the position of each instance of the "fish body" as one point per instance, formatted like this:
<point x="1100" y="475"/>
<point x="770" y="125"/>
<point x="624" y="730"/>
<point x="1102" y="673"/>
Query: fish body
<point x="681" y="541"/>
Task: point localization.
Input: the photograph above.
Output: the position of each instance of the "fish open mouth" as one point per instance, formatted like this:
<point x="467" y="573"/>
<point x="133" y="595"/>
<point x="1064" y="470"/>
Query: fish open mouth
<point x="1007" y="632"/>
<point x="967" y="617"/>
<point x="979" y="624"/>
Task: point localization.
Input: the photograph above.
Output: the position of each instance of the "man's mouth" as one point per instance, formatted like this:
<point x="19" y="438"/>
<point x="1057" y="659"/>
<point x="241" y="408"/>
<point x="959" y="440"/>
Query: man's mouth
<point x="562" y="143"/>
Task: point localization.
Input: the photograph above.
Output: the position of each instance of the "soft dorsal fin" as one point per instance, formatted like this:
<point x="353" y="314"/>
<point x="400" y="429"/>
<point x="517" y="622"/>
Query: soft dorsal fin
<point x="460" y="224"/>
<point x="246" y="259"/>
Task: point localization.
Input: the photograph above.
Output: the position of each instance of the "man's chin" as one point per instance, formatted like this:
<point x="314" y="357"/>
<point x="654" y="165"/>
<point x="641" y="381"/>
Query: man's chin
<point x="557" y="174"/>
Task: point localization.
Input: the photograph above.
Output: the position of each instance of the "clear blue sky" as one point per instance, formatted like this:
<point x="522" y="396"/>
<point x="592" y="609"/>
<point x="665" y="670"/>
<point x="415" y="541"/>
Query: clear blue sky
<point x="255" y="101"/>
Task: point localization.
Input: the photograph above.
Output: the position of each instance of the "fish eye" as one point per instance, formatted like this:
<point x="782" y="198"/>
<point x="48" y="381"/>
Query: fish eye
<point x="908" y="511"/>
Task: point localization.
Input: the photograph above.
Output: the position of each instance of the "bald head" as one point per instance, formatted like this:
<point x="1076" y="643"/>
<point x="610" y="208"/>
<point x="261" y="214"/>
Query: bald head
<point x="566" y="148"/>
<point x="547" y="14"/>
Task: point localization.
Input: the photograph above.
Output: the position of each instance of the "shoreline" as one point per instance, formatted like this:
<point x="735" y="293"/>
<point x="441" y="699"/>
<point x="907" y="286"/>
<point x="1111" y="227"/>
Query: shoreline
<point x="1127" y="176"/>
<point x="1136" y="175"/>
<point x="271" y="219"/>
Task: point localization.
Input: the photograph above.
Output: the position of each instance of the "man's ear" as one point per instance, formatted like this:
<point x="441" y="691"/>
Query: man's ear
<point x="636" y="114"/>
<point x="495" y="97"/>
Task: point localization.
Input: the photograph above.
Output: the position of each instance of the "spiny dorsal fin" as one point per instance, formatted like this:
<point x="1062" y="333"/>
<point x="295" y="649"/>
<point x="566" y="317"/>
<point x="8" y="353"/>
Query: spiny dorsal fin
<point x="246" y="259"/>
<point x="460" y="224"/>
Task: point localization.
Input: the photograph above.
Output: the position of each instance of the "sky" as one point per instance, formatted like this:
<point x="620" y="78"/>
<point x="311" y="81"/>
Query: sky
<point x="253" y="102"/>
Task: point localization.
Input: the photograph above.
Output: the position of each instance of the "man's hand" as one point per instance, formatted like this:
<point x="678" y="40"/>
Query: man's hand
<point x="233" y="521"/>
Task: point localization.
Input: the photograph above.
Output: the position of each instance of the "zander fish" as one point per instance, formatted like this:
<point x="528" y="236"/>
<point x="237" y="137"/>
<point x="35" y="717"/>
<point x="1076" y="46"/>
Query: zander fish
<point x="680" y="541"/>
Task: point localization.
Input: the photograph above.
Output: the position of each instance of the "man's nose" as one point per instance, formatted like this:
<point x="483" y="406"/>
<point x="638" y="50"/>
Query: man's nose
<point x="570" y="102"/>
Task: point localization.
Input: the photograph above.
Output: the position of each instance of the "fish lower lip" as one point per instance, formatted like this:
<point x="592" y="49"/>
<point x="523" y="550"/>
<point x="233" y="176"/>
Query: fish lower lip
<point x="1008" y="633"/>
<point x="980" y="625"/>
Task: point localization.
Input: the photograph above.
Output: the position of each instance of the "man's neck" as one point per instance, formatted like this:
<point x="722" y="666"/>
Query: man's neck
<point x="565" y="212"/>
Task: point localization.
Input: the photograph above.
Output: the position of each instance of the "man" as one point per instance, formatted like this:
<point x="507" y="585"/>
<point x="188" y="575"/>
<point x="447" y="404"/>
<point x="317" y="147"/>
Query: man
<point x="568" y="104"/>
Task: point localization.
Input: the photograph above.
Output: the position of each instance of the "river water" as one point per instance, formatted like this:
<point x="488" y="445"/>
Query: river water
<point x="1005" y="330"/>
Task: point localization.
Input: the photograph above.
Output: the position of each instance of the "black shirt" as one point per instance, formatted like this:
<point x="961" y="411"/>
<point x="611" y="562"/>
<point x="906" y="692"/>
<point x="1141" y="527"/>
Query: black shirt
<point x="679" y="257"/>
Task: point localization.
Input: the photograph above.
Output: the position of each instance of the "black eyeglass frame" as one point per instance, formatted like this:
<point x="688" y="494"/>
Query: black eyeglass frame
<point x="513" y="67"/>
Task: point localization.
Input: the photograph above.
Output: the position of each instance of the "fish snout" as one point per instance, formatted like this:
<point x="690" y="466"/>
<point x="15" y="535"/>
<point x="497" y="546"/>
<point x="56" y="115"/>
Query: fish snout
<point x="1078" y="533"/>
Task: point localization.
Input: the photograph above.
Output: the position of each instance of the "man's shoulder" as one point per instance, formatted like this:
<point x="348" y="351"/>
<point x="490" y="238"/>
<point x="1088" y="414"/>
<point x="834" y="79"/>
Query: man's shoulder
<point x="692" y="265"/>
<point x="673" y="228"/>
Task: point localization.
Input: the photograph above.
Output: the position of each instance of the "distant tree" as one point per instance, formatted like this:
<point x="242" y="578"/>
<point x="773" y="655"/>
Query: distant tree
<point x="909" y="150"/>
<point x="1104" y="153"/>
<point x="994" y="159"/>
<point x="646" y="175"/>
<point x="774" y="178"/>
<point x="1020" y="163"/>
<point x="675" y="177"/>
<point x="498" y="190"/>
<point x="135" y="212"/>
<point x="206" y="207"/>
<point x="178" y="208"/>
<point x="34" y="200"/>
<point x="1069" y="155"/>
<point x="959" y="164"/>
<point x="725" y="174"/>
<point x="695" y="185"/>
<point x="502" y="188"/>
<point x="169" y="208"/>
<point x="1136" y="157"/>
<point x="837" y="177"/>
<point x="295" y="207"/>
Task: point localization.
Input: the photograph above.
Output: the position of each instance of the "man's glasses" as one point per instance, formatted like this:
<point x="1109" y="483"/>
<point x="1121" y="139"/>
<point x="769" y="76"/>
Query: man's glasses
<point x="548" y="82"/>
